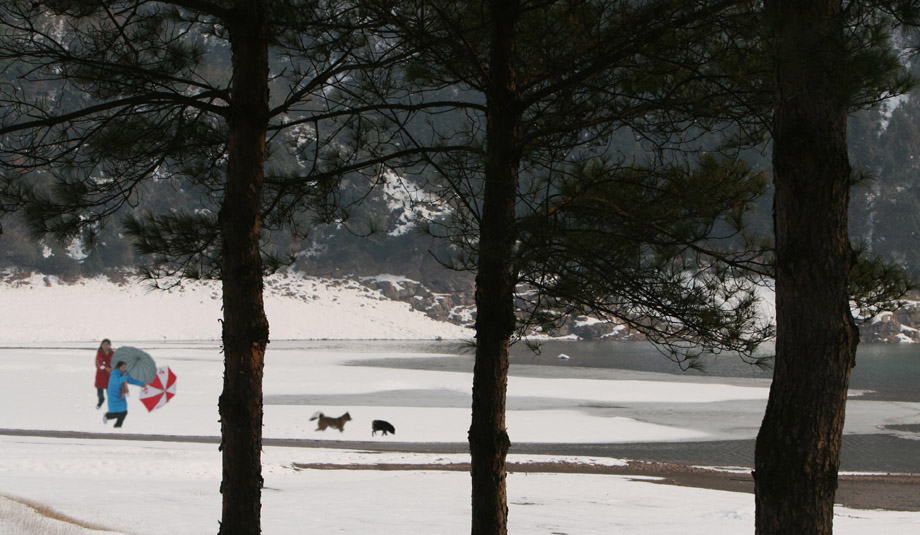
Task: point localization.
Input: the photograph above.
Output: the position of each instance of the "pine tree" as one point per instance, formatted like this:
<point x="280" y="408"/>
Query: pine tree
<point x="828" y="58"/>
<point x="518" y="99"/>
<point x="103" y="98"/>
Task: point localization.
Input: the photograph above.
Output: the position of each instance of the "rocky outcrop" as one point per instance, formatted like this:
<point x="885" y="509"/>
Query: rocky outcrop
<point x="900" y="326"/>
<point x="456" y="307"/>
<point x="459" y="307"/>
<point x="587" y="328"/>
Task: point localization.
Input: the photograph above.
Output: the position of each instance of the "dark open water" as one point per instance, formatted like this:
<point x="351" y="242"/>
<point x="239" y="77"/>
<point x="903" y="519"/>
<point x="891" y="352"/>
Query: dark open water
<point x="890" y="371"/>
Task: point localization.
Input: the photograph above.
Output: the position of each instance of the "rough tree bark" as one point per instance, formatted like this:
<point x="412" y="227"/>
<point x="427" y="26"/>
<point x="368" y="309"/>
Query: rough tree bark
<point x="245" y="327"/>
<point x="495" y="281"/>
<point x="798" y="447"/>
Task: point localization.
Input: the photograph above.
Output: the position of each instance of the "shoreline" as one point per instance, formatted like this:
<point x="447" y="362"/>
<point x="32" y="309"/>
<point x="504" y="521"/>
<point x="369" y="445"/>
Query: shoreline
<point x="873" y="491"/>
<point x="887" y="492"/>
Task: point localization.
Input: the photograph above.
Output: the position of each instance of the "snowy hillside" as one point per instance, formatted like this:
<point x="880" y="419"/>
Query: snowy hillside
<point x="298" y="307"/>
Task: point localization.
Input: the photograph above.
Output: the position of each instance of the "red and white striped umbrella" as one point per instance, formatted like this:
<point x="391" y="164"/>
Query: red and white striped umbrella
<point x="163" y="387"/>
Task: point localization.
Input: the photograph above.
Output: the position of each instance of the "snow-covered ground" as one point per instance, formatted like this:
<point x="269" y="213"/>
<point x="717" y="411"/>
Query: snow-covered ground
<point x="50" y="333"/>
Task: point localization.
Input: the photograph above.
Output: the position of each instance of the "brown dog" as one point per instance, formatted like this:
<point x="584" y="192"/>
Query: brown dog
<point x="335" y="423"/>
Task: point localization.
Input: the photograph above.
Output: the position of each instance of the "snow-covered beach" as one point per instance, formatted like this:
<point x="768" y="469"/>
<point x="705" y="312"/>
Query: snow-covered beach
<point x="50" y="332"/>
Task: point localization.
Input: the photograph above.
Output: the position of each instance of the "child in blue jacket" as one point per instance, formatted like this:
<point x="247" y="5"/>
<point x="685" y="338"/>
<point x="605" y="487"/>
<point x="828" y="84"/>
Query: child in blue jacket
<point x="117" y="392"/>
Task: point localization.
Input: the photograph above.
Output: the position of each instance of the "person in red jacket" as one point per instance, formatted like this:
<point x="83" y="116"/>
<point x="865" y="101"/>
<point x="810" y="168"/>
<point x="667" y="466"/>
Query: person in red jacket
<point x="103" y="369"/>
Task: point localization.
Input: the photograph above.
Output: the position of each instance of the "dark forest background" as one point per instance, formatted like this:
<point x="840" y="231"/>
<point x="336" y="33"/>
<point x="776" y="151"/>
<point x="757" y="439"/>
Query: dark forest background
<point x="385" y="232"/>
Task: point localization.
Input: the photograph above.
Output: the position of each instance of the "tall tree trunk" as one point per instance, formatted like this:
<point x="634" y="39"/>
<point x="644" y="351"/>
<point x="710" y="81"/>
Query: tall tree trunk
<point x="495" y="281"/>
<point x="798" y="447"/>
<point x="245" y="327"/>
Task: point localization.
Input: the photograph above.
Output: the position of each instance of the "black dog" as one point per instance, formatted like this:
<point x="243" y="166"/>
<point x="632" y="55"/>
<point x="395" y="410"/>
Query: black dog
<point x="382" y="425"/>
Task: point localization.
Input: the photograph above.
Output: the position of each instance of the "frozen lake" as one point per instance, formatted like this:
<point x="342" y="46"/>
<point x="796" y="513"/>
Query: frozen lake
<point x="621" y="400"/>
<point x="882" y="431"/>
<point x="556" y="413"/>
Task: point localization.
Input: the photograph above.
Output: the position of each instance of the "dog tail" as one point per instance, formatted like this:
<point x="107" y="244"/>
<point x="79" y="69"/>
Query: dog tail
<point x="316" y="415"/>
